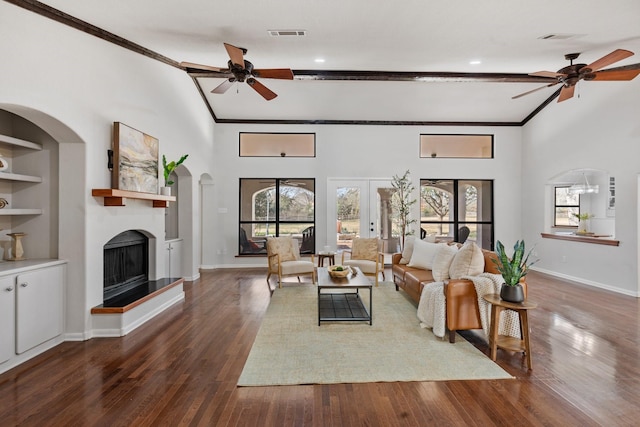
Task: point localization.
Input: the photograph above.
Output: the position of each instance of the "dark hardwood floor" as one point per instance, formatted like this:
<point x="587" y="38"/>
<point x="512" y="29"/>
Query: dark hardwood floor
<point x="181" y="368"/>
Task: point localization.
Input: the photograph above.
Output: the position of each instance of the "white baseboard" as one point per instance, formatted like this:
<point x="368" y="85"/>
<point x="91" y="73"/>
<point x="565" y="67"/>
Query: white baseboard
<point x="587" y="282"/>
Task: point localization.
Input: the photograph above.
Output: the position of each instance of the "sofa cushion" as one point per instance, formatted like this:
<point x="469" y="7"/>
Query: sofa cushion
<point x="423" y="255"/>
<point x="365" y="249"/>
<point x="408" y="249"/>
<point x="442" y="261"/>
<point x="469" y="261"/>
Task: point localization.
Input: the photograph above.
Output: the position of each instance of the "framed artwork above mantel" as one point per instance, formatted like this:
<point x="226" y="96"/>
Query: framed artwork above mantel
<point x="135" y="160"/>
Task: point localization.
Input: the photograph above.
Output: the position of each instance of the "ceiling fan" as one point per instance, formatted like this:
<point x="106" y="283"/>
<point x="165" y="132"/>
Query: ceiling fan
<point x="570" y="75"/>
<point x="243" y="71"/>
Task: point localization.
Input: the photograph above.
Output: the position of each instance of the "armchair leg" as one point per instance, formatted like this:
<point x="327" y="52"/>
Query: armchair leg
<point x="452" y="337"/>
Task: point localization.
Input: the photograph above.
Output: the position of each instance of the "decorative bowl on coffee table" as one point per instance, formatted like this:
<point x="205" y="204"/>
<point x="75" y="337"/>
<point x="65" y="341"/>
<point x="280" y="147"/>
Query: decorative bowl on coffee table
<point x="338" y="271"/>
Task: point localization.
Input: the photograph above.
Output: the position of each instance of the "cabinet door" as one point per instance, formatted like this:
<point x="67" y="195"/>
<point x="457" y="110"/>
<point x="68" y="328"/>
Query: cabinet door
<point x="39" y="307"/>
<point x="167" y="259"/>
<point x="176" y="259"/>
<point x="7" y="318"/>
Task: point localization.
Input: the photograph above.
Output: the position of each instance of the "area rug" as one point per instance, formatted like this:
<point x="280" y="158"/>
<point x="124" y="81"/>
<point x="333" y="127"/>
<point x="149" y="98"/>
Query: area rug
<point x="291" y="348"/>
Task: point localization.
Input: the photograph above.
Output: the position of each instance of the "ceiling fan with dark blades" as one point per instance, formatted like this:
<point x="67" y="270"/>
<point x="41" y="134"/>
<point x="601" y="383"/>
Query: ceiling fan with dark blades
<point x="570" y="75"/>
<point x="243" y="71"/>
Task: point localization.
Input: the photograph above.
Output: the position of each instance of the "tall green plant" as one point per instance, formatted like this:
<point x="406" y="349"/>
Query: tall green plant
<point x="402" y="202"/>
<point x="170" y="167"/>
<point x="516" y="267"/>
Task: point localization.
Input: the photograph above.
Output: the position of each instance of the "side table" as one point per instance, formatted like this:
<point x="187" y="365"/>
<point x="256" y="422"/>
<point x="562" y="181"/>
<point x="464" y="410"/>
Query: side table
<point x="331" y="256"/>
<point x="505" y="342"/>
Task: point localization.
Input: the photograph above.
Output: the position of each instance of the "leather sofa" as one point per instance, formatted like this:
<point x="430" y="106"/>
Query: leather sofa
<point x="462" y="311"/>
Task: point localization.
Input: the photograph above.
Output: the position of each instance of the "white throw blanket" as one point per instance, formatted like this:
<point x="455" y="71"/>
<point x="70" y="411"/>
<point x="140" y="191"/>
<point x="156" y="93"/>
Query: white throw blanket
<point x="432" y="306"/>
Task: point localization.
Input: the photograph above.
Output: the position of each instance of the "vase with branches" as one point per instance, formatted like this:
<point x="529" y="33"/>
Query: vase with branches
<point x="402" y="202"/>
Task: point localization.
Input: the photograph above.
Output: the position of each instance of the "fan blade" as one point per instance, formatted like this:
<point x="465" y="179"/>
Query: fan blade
<point x="195" y="66"/>
<point x="615" y="75"/>
<point x="547" y="74"/>
<point x="224" y="86"/>
<point x="236" y="54"/>
<point x="534" y="90"/>
<point x="566" y="93"/>
<point x="615" y="56"/>
<point x="261" y="89"/>
<point x="274" y="73"/>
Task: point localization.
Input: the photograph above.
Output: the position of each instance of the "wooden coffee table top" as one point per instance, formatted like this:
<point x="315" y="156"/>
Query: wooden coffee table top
<point x="358" y="280"/>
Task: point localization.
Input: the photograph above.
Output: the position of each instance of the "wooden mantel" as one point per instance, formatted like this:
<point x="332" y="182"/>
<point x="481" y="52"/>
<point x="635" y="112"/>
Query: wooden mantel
<point x="115" y="197"/>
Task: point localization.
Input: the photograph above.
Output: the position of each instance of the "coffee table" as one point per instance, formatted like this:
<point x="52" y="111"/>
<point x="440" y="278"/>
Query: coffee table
<point x="343" y="306"/>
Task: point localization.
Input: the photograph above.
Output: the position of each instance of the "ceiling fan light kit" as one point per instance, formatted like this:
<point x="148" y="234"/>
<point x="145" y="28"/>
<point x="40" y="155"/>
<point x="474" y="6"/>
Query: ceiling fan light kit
<point x="570" y="75"/>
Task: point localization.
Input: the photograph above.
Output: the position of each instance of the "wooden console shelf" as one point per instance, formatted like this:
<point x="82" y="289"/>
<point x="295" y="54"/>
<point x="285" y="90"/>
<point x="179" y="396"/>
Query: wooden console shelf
<point x="582" y="239"/>
<point x="115" y="197"/>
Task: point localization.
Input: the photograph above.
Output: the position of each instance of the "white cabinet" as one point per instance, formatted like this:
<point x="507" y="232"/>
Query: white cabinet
<point x="39" y="307"/>
<point x="173" y="258"/>
<point x="31" y="308"/>
<point x="7" y="318"/>
<point x="7" y="174"/>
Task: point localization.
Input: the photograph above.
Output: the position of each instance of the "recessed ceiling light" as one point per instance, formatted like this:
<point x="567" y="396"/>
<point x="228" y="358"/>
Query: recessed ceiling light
<point x="319" y="60"/>
<point x="475" y="62"/>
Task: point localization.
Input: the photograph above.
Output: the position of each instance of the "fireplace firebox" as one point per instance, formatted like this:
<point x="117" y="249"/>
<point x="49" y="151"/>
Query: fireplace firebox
<point x="126" y="263"/>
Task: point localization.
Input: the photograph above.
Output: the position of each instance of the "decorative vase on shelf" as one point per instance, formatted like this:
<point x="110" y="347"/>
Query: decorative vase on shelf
<point x="165" y="191"/>
<point x="512" y="293"/>
<point x="583" y="226"/>
<point x="17" y="252"/>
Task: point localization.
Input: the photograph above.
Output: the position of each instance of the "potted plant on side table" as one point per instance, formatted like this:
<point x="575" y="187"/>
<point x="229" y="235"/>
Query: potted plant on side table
<point x="168" y="168"/>
<point x="512" y="269"/>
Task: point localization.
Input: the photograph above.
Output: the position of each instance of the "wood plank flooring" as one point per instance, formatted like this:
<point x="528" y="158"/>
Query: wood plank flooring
<point x="181" y="368"/>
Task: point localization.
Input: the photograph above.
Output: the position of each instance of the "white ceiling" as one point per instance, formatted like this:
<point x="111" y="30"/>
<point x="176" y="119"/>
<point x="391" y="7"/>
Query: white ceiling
<point x="402" y="36"/>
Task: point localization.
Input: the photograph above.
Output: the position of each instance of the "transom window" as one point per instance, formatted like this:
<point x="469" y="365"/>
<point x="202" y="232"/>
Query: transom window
<point x="448" y="205"/>
<point x="277" y="144"/>
<point x="276" y="207"/>
<point x="456" y="146"/>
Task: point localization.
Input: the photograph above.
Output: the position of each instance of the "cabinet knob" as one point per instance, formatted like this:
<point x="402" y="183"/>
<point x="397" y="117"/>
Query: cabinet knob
<point x="24" y="285"/>
<point x="8" y="289"/>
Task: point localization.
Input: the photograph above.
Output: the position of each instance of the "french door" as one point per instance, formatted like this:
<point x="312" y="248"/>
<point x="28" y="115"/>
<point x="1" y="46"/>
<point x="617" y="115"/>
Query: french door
<point x="360" y="208"/>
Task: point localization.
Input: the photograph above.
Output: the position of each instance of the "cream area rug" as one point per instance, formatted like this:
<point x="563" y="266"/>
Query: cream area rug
<point x="291" y="348"/>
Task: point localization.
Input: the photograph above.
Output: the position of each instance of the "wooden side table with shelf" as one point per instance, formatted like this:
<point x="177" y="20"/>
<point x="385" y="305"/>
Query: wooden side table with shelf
<point x="505" y="342"/>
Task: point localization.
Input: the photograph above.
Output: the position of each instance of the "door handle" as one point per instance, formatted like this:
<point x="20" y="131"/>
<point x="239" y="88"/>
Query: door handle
<point x="24" y="285"/>
<point x="8" y="289"/>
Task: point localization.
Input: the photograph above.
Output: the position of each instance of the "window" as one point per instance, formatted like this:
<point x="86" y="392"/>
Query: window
<point x="277" y="144"/>
<point x="566" y="207"/>
<point x="457" y="146"/>
<point x="449" y="204"/>
<point x="276" y="207"/>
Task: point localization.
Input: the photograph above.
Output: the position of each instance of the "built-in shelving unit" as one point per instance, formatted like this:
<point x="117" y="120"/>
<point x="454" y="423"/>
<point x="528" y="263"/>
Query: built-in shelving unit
<point x="10" y="143"/>
<point x="115" y="197"/>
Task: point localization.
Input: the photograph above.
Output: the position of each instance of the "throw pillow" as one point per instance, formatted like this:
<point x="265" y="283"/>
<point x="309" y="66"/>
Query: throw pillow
<point x="469" y="261"/>
<point x="423" y="255"/>
<point x="408" y="249"/>
<point x="442" y="261"/>
<point x="365" y="249"/>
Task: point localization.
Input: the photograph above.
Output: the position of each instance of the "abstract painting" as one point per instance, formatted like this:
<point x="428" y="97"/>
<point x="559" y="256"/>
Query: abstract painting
<point x="135" y="160"/>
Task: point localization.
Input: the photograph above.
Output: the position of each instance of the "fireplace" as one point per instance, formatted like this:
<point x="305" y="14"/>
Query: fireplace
<point x="126" y="263"/>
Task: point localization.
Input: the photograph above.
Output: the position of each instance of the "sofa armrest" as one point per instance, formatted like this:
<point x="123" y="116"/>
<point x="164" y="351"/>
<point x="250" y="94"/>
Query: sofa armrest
<point x="395" y="258"/>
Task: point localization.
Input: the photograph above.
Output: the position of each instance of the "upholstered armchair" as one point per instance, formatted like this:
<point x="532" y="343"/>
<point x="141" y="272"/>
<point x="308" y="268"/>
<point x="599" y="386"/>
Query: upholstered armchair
<point x="283" y="255"/>
<point x="365" y="254"/>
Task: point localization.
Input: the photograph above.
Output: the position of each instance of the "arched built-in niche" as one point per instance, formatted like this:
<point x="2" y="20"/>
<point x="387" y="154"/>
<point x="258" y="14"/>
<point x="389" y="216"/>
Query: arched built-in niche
<point x="600" y="205"/>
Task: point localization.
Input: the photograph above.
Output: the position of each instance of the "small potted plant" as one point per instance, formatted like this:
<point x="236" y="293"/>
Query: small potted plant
<point x="168" y="168"/>
<point x="512" y="269"/>
<point x="582" y="224"/>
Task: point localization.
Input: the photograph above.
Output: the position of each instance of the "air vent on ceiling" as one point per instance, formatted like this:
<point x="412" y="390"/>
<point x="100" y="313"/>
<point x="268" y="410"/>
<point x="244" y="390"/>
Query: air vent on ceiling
<point x="559" y="36"/>
<point x="278" y="33"/>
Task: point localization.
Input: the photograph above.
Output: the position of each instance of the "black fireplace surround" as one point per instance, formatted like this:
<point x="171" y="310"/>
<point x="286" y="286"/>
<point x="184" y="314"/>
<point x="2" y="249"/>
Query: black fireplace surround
<point x="126" y="263"/>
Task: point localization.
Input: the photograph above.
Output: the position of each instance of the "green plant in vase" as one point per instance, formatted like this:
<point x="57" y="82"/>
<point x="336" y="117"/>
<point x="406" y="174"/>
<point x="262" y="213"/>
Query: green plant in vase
<point x="168" y="168"/>
<point x="513" y="269"/>
<point x="582" y="222"/>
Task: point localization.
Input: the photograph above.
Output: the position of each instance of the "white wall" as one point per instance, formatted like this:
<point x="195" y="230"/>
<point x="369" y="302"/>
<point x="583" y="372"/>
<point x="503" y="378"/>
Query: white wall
<point x="598" y="130"/>
<point x="355" y="151"/>
<point x="75" y="86"/>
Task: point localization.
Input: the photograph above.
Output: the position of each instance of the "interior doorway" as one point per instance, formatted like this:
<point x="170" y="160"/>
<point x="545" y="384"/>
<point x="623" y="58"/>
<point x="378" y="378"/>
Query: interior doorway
<point x="361" y="208"/>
